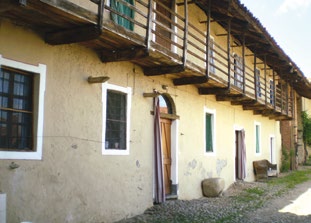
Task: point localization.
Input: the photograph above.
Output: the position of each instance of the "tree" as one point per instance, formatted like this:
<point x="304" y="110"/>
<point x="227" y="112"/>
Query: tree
<point x="306" y="132"/>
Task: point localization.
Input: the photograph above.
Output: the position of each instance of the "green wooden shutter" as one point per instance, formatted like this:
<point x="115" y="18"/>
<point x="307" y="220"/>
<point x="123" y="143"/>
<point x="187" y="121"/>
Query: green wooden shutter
<point x="209" y="135"/>
<point x="257" y="139"/>
<point x="124" y="10"/>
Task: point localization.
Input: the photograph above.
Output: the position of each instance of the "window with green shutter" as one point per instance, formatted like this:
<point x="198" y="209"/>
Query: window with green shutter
<point x="208" y="133"/>
<point x="125" y="13"/>
<point x="257" y="139"/>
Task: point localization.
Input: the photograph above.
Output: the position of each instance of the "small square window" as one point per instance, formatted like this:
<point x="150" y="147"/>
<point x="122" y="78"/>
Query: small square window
<point x="209" y="131"/>
<point x="116" y="120"/>
<point x="116" y="102"/>
<point x="16" y="111"/>
<point x="22" y="89"/>
<point x="238" y="71"/>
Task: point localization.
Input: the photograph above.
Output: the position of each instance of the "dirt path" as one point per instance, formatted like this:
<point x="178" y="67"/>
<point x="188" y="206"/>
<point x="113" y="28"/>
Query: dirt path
<point x="295" y="206"/>
<point x="243" y="202"/>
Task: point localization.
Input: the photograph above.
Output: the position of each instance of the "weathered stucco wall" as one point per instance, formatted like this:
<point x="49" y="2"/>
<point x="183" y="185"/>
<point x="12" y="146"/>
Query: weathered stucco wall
<point x="74" y="182"/>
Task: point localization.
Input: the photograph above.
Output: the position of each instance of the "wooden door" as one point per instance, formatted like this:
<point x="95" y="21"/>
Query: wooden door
<point x="163" y="18"/>
<point x="236" y="153"/>
<point x="166" y="152"/>
<point x="240" y="157"/>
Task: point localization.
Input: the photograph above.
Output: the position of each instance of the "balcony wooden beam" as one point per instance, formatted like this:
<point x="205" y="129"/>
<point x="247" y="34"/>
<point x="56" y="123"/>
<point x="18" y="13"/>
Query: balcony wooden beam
<point x="232" y="98"/>
<point x="65" y="6"/>
<point x="75" y="35"/>
<point x="129" y="54"/>
<point x="6" y="5"/>
<point x="161" y="70"/>
<point x="216" y="91"/>
<point x="281" y="118"/>
<point x="254" y="107"/>
<point x="190" y="80"/>
<point x="244" y="102"/>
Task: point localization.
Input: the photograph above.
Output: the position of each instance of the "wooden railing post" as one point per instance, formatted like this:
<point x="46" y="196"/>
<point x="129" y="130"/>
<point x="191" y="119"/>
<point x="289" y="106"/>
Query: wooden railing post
<point x="243" y="58"/>
<point x="282" y="97"/>
<point x="208" y="39"/>
<point x="149" y="25"/>
<point x="101" y="8"/>
<point x="265" y="73"/>
<point x="292" y="100"/>
<point x="287" y="101"/>
<point x="185" y="43"/>
<point x="255" y="78"/>
<point x="228" y="52"/>
<point x="274" y="91"/>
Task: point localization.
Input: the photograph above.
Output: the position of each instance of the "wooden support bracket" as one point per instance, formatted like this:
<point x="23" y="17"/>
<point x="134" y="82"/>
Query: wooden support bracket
<point x="151" y="95"/>
<point x="75" y="35"/>
<point x="190" y="80"/>
<point x="129" y="54"/>
<point x="97" y="80"/>
<point x="216" y="91"/>
<point x="161" y="70"/>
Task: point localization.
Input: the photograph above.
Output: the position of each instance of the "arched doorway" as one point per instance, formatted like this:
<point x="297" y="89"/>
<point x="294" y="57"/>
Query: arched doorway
<point x="169" y="122"/>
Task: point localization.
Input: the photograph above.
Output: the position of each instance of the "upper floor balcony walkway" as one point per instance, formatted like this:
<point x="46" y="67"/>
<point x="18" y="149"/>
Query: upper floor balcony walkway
<point x="217" y="46"/>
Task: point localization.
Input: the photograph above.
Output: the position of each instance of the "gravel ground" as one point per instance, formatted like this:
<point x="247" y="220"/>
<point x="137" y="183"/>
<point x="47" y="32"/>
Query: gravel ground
<point x="242" y="202"/>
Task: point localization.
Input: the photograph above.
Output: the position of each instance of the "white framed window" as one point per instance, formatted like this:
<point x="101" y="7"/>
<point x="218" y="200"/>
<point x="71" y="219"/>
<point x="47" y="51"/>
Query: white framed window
<point x="257" y="138"/>
<point x="116" y="119"/>
<point x="238" y="71"/>
<point x="210" y="131"/>
<point x="211" y="62"/>
<point x="211" y="54"/>
<point x="22" y="88"/>
<point x="271" y="92"/>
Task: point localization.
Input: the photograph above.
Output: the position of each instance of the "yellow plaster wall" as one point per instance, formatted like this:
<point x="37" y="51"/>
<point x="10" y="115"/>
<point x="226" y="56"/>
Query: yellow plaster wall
<point x="74" y="182"/>
<point x="195" y="165"/>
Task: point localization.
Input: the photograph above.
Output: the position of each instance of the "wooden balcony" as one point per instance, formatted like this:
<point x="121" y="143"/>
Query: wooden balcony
<point x="161" y="41"/>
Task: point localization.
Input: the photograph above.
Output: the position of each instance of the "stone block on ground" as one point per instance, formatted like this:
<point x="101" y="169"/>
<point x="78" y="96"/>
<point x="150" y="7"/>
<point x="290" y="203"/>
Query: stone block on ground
<point x="213" y="187"/>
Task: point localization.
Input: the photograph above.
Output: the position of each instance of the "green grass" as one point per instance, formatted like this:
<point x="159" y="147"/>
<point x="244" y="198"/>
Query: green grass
<point x="229" y="218"/>
<point x="292" y="179"/>
<point x="255" y="190"/>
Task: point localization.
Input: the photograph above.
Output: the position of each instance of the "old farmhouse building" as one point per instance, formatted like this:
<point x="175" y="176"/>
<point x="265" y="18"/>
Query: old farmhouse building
<point x="110" y="106"/>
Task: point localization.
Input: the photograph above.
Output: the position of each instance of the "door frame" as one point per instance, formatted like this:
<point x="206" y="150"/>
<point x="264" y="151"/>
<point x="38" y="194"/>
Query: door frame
<point x="174" y="156"/>
<point x="272" y="148"/>
<point x="174" y="146"/>
<point x="235" y="129"/>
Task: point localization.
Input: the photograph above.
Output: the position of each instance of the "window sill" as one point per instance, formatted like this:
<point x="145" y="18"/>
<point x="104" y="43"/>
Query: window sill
<point x="21" y="155"/>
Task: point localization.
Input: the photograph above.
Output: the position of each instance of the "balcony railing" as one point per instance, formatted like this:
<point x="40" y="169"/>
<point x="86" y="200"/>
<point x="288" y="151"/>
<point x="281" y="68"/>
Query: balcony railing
<point x="172" y="34"/>
<point x="163" y="40"/>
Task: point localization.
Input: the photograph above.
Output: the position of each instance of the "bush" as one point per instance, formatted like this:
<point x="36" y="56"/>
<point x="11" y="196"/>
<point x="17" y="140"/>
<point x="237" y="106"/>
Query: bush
<point x="285" y="161"/>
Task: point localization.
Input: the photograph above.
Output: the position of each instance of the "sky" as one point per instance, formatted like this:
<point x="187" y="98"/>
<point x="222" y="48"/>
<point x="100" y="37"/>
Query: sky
<point x="289" y="23"/>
